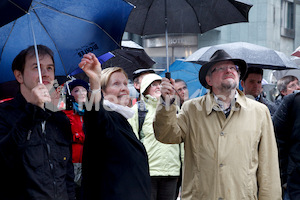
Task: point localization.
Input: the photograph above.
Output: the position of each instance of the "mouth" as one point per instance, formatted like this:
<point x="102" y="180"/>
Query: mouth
<point x="45" y="82"/>
<point x="229" y="77"/>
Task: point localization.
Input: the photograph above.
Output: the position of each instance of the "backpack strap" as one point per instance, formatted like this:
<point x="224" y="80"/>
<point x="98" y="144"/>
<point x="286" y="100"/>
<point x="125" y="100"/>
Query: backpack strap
<point x="142" y="112"/>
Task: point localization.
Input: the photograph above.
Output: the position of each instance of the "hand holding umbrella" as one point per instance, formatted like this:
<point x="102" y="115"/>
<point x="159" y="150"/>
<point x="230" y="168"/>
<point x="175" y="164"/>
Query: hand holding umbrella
<point x="39" y="95"/>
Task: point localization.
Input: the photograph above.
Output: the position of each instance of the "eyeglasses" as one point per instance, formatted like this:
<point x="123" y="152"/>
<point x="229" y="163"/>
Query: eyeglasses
<point x="182" y="89"/>
<point x="155" y="84"/>
<point x="293" y="86"/>
<point x="225" y="68"/>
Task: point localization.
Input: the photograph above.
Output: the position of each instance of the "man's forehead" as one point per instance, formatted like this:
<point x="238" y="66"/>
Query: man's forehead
<point x="254" y="76"/>
<point x="32" y="58"/>
<point x="180" y="84"/>
<point x="226" y="62"/>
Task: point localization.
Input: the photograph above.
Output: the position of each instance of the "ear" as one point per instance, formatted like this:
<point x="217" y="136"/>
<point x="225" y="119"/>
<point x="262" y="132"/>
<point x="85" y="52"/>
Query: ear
<point x="284" y="92"/>
<point x="208" y="80"/>
<point x="18" y="76"/>
<point x="137" y="85"/>
<point x="242" y="84"/>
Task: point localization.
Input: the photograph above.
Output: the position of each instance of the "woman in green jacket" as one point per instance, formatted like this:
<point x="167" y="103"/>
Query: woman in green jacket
<point x="164" y="159"/>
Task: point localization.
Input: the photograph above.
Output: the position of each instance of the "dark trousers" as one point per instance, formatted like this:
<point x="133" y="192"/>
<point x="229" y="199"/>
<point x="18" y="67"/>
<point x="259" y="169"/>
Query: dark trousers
<point x="163" y="187"/>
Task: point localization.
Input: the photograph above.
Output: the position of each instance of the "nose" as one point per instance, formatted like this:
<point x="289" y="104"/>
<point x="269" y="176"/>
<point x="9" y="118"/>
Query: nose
<point x="124" y="87"/>
<point x="44" y="71"/>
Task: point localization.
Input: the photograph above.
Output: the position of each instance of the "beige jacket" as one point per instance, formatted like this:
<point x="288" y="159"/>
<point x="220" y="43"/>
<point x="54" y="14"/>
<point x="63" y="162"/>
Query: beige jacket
<point x="230" y="158"/>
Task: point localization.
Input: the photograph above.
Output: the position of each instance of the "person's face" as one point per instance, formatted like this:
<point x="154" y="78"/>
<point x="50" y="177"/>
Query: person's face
<point x="154" y="89"/>
<point x="30" y="77"/>
<point x="79" y="93"/>
<point x="117" y="90"/>
<point x="137" y="85"/>
<point x="252" y="85"/>
<point x="182" y="90"/>
<point x="224" y="76"/>
<point x="293" y="85"/>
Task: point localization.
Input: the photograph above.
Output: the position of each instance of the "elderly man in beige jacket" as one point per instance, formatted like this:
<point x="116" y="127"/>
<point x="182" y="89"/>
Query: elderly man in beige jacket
<point x="230" y="147"/>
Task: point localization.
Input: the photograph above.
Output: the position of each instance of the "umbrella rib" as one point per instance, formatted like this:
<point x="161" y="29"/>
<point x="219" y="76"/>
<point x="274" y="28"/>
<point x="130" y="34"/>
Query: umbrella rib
<point x="51" y="40"/>
<point x="199" y="24"/>
<point x="147" y="17"/>
<point x="18" y="6"/>
<point x="91" y="22"/>
<point x="7" y="40"/>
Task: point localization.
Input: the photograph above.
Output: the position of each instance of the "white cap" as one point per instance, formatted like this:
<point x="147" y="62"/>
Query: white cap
<point x="147" y="80"/>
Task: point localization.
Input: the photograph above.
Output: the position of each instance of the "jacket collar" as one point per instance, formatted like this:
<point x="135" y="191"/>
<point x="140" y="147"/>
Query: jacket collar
<point x="211" y="103"/>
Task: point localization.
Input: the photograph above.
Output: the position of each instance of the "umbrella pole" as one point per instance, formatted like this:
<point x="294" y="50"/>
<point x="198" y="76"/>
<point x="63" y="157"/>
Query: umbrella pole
<point x="168" y="75"/>
<point x="36" y="51"/>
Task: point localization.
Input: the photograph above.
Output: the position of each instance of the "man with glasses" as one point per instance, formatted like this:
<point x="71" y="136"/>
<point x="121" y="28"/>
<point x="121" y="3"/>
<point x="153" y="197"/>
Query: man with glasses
<point x="286" y="85"/>
<point x="230" y="146"/>
<point x="182" y="91"/>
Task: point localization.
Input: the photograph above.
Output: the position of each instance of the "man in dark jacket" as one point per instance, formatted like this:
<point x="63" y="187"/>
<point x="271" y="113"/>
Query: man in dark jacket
<point x="252" y="85"/>
<point x="35" y="156"/>
<point x="287" y="125"/>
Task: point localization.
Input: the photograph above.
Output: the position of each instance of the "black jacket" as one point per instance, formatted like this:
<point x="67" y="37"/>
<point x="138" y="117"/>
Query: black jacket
<point x="287" y="129"/>
<point x="115" y="162"/>
<point x="35" y="154"/>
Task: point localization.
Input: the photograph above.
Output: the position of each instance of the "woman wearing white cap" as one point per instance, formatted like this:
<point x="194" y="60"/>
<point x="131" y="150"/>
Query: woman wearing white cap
<point x="164" y="159"/>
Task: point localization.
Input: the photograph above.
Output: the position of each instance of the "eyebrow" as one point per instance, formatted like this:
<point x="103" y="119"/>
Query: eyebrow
<point x="47" y="64"/>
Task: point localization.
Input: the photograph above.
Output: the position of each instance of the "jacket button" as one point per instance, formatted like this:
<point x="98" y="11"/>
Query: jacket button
<point x="220" y="198"/>
<point x="222" y="134"/>
<point x="221" y="165"/>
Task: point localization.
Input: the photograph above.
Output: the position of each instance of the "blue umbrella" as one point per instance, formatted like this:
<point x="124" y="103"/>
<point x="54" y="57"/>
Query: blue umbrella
<point x="69" y="28"/>
<point x="188" y="72"/>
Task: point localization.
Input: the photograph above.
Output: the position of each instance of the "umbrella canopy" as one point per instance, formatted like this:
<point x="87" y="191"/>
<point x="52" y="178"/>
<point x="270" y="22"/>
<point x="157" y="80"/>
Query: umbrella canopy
<point x="184" y="16"/>
<point x="130" y="57"/>
<point x="296" y="52"/>
<point x="254" y="55"/>
<point x="69" y="28"/>
<point x="11" y="10"/>
<point x="188" y="72"/>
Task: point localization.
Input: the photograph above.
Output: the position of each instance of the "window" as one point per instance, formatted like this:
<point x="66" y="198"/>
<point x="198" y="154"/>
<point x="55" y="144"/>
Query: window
<point x="288" y="18"/>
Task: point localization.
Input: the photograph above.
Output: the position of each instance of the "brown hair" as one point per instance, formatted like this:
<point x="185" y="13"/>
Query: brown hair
<point x="19" y="61"/>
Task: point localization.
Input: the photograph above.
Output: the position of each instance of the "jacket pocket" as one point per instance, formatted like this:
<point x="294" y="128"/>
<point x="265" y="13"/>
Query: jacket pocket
<point x="62" y="152"/>
<point x="34" y="156"/>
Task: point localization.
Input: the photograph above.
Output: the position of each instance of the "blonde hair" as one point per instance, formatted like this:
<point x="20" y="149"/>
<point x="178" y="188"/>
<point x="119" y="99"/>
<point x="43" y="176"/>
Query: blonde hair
<point x="106" y="74"/>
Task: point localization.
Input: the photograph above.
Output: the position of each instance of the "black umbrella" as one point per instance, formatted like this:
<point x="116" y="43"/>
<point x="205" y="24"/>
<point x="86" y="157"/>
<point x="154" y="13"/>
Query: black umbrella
<point x="13" y="9"/>
<point x="254" y="55"/>
<point x="130" y="58"/>
<point x="184" y="16"/>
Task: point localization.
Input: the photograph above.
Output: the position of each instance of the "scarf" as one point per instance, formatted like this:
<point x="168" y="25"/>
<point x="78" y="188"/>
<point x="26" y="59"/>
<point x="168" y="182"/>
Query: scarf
<point x="78" y="109"/>
<point x="125" y="111"/>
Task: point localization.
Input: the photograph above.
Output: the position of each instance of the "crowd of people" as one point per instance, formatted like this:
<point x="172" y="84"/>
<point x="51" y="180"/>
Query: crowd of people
<point x="223" y="145"/>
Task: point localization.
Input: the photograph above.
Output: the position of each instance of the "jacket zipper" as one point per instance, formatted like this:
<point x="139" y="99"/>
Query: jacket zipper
<point x="51" y="165"/>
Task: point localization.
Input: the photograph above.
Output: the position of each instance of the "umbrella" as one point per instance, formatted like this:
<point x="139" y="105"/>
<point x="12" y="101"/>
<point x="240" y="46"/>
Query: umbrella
<point x="130" y="57"/>
<point x="296" y="52"/>
<point x="69" y="28"/>
<point x="254" y="55"/>
<point x="188" y="72"/>
<point x="12" y="10"/>
<point x="184" y="16"/>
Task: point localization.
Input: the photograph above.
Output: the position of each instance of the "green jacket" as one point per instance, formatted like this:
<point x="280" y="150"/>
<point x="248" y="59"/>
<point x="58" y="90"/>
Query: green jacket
<point x="164" y="159"/>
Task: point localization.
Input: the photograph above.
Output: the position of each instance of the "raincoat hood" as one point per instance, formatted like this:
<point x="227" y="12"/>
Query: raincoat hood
<point x="147" y="80"/>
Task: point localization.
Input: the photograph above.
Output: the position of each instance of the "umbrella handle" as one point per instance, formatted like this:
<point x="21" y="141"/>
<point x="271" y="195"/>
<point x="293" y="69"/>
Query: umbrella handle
<point x="168" y="75"/>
